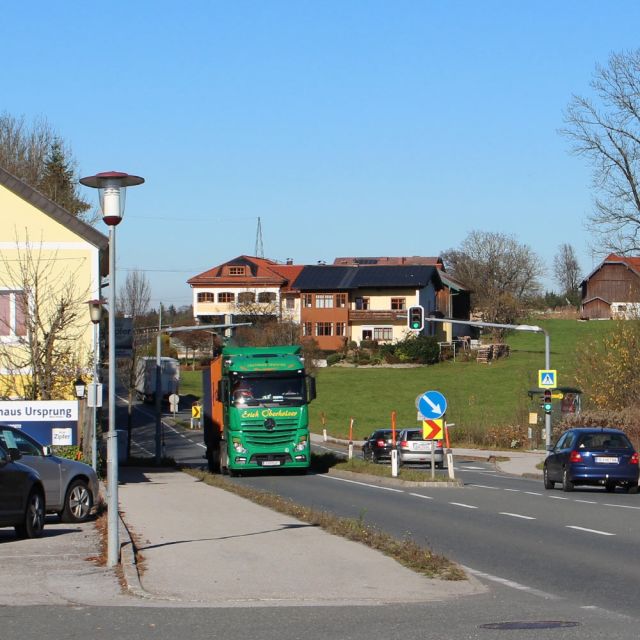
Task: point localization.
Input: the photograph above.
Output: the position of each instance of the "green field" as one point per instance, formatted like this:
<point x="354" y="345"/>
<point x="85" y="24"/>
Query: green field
<point x="479" y="396"/>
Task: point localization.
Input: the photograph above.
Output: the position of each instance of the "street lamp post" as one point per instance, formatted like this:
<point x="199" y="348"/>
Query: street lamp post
<point x="111" y="187"/>
<point x="95" y="311"/>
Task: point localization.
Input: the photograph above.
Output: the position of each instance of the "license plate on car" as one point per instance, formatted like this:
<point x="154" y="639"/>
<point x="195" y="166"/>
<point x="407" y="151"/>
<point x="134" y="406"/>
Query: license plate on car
<point x="421" y="446"/>
<point x="271" y="463"/>
<point x="606" y="460"/>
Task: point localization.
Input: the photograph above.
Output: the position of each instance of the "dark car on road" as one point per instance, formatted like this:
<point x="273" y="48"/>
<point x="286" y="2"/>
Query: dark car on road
<point x="592" y="456"/>
<point x="21" y="496"/>
<point x="378" y="446"/>
<point x="71" y="487"/>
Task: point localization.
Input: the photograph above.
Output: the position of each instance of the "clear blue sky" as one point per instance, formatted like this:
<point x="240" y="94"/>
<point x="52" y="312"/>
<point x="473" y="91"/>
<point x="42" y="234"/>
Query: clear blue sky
<point x="350" y="127"/>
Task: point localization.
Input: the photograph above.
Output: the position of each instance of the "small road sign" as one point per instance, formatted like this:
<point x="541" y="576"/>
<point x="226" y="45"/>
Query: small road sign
<point x="432" y="405"/>
<point x="433" y="429"/>
<point x="195" y="411"/>
<point x="547" y="378"/>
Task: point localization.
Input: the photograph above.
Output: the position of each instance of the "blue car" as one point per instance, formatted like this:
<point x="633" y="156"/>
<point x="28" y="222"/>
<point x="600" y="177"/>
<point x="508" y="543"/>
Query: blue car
<point x="592" y="456"/>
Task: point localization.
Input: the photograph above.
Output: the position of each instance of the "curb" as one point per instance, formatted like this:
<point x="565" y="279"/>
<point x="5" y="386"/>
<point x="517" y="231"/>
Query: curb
<point x="381" y="480"/>
<point x="128" y="562"/>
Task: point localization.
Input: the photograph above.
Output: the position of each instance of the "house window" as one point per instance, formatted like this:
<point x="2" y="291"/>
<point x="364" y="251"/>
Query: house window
<point x="307" y="300"/>
<point x="324" y="301"/>
<point x="383" y="333"/>
<point x="12" y="313"/>
<point x="398" y="304"/>
<point x="341" y="328"/>
<point x="206" y="296"/>
<point x="266" y="296"/>
<point x="307" y="329"/>
<point x="362" y="304"/>
<point x="246" y="297"/>
<point x="341" y="300"/>
<point x="290" y="302"/>
<point x="236" y="271"/>
<point x="226" y="296"/>
<point x="324" y="329"/>
<point x="367" y="334"/>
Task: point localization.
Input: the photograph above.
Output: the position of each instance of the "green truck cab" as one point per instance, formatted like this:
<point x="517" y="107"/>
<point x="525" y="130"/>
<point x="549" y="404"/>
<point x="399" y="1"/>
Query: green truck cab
<point x="255" y="409"/>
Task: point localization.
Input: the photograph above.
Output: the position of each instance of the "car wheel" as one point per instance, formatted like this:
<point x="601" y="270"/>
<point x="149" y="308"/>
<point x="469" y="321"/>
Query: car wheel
<point x="224" y="459"/>
<point x="610" y="487"/>
<point x="548" y="484"/>
<point x="439" y="465"/>
<point x="567" y="485"/>
<point x="77" y="503"/>
<point x="33" y="523"/>
<point x="632" y="487"/>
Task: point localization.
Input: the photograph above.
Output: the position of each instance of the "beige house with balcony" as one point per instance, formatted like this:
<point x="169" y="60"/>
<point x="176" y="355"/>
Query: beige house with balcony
<point x="243" y="287"/>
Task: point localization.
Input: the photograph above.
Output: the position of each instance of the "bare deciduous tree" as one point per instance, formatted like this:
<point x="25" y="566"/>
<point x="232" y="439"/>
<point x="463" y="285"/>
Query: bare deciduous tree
<point x="43" y="318"/>
<point x="133" y="301"/>
<point x="501" y="273"/>
<point x="566" y="270"/>
<point x="606" y="130"/>
<point x="39" y="157"/>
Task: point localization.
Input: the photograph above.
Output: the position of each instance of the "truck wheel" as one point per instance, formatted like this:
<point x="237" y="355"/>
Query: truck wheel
<point x="213" y="460"/>
<point x="223" y="459"/>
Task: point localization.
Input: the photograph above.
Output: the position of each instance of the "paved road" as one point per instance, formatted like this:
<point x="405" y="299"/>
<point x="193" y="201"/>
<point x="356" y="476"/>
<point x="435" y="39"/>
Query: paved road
<point x="584" y="546"/>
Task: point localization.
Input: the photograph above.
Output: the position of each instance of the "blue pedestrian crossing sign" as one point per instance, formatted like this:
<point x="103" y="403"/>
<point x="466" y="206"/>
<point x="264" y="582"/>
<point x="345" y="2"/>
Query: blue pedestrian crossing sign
<point x="432" y="405"/>
<point x="547" y="378"/>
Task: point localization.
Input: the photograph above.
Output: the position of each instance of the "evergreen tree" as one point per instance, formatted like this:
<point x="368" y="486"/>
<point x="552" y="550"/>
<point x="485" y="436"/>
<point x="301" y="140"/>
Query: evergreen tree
<point x="58" y="183"/>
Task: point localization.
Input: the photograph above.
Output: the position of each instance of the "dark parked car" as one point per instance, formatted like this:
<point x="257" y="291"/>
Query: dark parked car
<point x="412" y="447"/>
<point x="592" y="456"/>
<point x="378" y="446"/>
<point x="21" y="496"/>
<point x="71" y="487"/>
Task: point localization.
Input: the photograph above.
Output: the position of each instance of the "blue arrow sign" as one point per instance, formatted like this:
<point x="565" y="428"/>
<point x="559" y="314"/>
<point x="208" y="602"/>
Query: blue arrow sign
<point x="432" y="405"/>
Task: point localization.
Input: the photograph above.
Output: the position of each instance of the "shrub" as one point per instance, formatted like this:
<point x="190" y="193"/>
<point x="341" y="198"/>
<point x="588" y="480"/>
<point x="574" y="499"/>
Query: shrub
<point x="419" y="349"/>
<point x="334" y="358"/>
<point x="627" y="420"/>
<point x="372" y="345"/>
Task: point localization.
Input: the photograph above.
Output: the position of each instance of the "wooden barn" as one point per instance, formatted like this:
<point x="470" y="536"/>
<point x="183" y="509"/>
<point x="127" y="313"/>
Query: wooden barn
<point x="612" y="290"/>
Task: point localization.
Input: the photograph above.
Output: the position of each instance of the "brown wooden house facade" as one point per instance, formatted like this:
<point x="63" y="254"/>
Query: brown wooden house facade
<point x="612" y="290"/>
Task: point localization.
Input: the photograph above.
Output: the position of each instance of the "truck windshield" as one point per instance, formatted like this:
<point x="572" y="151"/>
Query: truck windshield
<point x="266" y="391"/>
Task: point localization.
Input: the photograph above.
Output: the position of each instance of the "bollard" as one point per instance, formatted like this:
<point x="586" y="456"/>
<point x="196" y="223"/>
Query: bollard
<point x="452" y="473"/>
<point x="351" y="451"/>
<point x="324" y="434"/>
<point x="394" y="463"/>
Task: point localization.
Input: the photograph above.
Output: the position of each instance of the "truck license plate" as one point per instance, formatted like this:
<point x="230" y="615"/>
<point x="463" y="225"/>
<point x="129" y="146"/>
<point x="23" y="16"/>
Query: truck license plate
<point x="271" y="463"/>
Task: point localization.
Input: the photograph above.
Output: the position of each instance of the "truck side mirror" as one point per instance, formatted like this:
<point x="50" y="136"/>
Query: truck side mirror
<point x="311" y="388"/>
<point x="223" y="390"/>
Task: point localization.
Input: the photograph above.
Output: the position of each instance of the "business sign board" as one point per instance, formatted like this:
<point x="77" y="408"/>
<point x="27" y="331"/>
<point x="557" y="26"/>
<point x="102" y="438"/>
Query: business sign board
<point x="48" y="421"/>
<point x="124" y="337"/>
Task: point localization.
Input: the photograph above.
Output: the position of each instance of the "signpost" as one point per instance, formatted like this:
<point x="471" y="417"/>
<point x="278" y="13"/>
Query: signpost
<point x="432" y="405"/>
<point x="547" y="378"/>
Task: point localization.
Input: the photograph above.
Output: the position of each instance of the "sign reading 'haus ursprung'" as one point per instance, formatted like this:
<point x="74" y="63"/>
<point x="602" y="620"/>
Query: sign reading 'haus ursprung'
<point x="48" y="421"/>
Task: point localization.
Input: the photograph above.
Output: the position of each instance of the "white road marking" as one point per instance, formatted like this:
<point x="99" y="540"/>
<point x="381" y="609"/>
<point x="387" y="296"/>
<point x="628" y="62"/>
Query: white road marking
<point x="533" y="493"/>
<point x="513" y="490"/>
<point x="364" y="484"/>
<point x="600" y="533"/>
<point x="586" y="501"/>
<point x="620" y="506"/>
<point x="557" y="498"/>
<point x="511" y="584"/>
<point x="516" y="515"/>
<point x="419" y="495"/>
<point x="462" y="468"/>
<point x="461" y="504"/>
<point x="482" y="486"/>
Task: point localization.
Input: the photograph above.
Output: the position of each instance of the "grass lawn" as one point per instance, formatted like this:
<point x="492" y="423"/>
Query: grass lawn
<point x="479" y="396"/>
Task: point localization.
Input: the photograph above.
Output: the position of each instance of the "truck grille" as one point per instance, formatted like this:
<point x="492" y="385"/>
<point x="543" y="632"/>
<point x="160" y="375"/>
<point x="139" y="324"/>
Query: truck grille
<point x="284" y="433"/>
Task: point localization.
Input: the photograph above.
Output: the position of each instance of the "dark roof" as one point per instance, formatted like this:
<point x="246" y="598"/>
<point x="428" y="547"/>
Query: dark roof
<point x="50" y="208"/>
<point x="333" y="278"/>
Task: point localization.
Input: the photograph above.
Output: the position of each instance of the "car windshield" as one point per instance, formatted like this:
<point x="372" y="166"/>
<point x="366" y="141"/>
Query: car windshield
<point x="16" y="440"/>
<point x="269" y="391"/>
<point x="603" y="441"/>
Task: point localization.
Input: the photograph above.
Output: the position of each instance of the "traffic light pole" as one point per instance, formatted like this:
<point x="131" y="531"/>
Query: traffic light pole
<point x="514" y="327"/>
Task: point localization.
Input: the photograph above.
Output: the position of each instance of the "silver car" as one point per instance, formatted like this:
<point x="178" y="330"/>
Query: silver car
<point x="412" y="447"/>
<point x="71" y="487"/>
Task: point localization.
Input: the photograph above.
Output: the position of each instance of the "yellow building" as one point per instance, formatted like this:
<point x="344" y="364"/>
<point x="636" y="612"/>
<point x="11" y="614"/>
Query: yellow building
<point x="51" y="264"/>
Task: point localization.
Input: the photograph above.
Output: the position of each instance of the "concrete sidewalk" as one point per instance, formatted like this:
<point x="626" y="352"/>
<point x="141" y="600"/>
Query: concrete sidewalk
<point x="203" y="546"/>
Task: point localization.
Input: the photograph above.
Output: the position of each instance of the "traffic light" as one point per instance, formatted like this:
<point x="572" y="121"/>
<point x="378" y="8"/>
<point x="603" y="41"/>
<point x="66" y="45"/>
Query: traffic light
<point x="546" y="403"/>
<point x="415" y="318"/>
